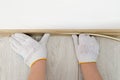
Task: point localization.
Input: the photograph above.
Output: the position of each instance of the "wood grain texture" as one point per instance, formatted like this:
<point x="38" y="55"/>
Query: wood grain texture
<point x="61" y="63"/>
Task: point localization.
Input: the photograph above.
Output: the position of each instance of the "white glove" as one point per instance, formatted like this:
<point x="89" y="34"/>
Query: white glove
<point x="28" y="48"/>
<point x="87" y="49"/>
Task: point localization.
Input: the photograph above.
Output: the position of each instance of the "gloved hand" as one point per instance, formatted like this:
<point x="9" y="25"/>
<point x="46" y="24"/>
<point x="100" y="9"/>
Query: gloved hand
<point x="28" y="48"/>
<point x="87" y="49"/>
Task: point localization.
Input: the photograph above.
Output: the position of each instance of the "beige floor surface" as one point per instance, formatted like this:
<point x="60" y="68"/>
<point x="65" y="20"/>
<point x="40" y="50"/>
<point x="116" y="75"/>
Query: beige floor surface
<point x="62" y="63"/>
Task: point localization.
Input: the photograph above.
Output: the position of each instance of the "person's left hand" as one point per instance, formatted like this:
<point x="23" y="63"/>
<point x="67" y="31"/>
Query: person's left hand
<point x="28" y="48"/>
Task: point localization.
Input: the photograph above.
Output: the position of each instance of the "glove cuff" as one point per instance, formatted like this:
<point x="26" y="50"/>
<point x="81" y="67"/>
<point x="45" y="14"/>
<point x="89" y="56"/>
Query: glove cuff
<point x="87" y="60"/>
<point x="31" y="59"/>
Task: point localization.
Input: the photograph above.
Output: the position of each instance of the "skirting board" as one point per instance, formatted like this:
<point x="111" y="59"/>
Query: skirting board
<point x="111" y="32"/>
<point x="106" y="33"/>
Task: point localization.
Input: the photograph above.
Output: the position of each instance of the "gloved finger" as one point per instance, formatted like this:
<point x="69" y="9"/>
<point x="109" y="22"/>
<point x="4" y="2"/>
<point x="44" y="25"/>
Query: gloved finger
<point x="22" y="36"/>
<point x="75" y="40"/>
<point x="17" y="38"/>
<point x="44" y="38"/>
<point x="15" y="48"/>
<point x="14" y="43"/>
<point x="83" y="38"/>
<point x="94" y="40"/>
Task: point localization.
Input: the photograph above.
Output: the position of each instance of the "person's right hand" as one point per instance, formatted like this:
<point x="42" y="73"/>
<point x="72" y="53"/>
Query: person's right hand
<point x="86" y="47"/>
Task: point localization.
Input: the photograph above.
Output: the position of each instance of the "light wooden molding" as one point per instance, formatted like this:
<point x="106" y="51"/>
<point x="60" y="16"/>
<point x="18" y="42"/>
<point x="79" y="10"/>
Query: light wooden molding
<point x="106" y="33"/>
<point x="112" y="32"/>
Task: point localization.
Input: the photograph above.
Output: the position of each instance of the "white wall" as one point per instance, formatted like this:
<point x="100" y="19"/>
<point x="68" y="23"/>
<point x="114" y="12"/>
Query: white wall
<point x="59" y="13"/>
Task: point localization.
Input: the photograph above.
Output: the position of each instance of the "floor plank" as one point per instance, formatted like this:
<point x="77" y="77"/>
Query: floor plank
<point x="61" y="63"/>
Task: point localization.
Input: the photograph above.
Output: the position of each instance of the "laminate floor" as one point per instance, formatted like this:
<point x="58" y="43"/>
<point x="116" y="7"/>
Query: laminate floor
<point x="61" y="63"/>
